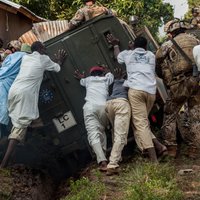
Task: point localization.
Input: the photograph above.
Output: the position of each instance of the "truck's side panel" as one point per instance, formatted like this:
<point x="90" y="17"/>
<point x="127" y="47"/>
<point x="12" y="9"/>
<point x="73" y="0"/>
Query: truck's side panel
<point x="86" y="46"/>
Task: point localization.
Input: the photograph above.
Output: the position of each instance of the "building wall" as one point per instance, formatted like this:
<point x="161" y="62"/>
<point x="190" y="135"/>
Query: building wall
<point x="12" y="26"/>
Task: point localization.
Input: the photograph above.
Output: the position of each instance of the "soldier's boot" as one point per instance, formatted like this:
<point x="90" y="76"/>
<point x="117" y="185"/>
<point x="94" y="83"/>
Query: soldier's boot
<point x="161" y="150"/>
<point x="172" y="151"/>
<point x="192" y="152"/>
<point x="152" y="154"/>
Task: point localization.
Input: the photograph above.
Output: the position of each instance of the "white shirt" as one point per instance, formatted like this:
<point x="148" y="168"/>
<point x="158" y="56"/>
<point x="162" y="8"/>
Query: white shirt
<point x="24" y="92"/>
<point x="196" y="54"/>
<point x="97" y="88"/>
<point x="140" y="67"/>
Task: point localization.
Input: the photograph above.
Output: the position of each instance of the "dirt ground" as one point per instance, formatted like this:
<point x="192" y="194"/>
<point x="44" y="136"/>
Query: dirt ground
<point x="22" y="183"/>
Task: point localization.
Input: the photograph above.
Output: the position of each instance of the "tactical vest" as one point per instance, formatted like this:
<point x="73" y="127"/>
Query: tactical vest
<point x="176" y="65"/>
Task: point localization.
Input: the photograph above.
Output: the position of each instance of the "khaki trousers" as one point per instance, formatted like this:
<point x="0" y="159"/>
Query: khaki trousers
<point x="17" y="134"/>
<point x="119" y="113"/>
<point x="141" y="104"/>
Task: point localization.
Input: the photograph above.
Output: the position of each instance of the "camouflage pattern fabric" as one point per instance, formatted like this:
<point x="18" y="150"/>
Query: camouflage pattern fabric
<point x="196" y="22"/>
<point x="88" y="12"/>
<point x="183" y="89"/>
<point x="173" y="65"/>
<point x="187" y="121"/>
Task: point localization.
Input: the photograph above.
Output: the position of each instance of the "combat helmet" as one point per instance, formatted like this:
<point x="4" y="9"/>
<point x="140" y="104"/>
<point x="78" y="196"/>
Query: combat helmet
<point x="196" y="10"/>
<point x="16" y="44"/>
<point x="174" y="25"/>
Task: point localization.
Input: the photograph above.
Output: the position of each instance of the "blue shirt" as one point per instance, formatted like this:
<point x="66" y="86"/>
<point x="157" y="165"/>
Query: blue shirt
<point x="8" y="72"/>
<point x="119" y="91"/>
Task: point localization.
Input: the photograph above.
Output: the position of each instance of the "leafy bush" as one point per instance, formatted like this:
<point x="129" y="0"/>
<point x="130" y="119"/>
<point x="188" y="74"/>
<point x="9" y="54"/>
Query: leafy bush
<point x="150" y="13"/>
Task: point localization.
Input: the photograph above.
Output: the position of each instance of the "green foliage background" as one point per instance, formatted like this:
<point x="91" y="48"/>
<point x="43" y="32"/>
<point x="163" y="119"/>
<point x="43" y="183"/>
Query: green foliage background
<point x="150" y="12"/>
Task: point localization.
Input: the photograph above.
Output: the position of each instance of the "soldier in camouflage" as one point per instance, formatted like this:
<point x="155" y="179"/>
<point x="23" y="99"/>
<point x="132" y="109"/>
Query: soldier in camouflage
<point x="183" y="89"/>
<point x="195" y="22"/>
<point x="89" y="11"/>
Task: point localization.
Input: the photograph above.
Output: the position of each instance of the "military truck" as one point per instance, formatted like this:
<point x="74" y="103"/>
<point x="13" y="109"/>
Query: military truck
<point x="60" y="145"/>
<point x="61" y="96"/>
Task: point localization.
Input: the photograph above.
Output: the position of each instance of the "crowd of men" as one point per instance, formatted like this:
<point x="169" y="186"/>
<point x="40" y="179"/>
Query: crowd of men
<point x="133" y="94"/>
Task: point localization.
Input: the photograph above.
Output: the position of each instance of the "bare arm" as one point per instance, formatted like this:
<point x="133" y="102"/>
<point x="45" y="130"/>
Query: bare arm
<point x="115" y="43"/>
<point x="116" y="51"/>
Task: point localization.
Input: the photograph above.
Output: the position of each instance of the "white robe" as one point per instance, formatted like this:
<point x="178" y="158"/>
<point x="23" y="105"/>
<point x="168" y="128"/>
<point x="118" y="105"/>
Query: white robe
<point x="196" y="54"/>
<point x="24" y="92"/>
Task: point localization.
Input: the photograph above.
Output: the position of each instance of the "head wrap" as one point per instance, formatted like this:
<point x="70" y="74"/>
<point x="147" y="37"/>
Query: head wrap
<point x="15" y="44"/>
<point x="26" y="48"/>
<point x="96" y="68"/>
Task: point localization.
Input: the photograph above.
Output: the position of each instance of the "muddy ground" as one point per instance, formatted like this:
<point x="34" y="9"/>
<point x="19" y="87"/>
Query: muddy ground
<point x="22" y="183"/>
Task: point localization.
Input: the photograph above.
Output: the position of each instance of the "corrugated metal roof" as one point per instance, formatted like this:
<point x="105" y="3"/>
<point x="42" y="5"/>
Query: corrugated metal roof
<point x="50" y="29"/>
<point x="44" y="31"/>
<point x="15" y="5"/>
<point x="28" y="37"/>
<point x="9" y="5"/>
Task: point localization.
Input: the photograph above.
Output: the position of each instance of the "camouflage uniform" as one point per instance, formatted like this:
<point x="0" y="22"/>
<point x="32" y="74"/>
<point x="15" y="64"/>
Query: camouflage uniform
<point x="195" y="22"/>
<point x="86" y="13"/>
<point x="183" y="88"/>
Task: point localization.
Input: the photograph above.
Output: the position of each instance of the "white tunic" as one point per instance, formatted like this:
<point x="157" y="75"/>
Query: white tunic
<point x="94" y="111"/>
<point x="24" y="92"/>
<point x="97" y="88"/>
<point x="140" y="67"/>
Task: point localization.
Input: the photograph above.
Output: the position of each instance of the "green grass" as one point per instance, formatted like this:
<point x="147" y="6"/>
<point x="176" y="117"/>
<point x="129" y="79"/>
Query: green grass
<point x="5" y="172"/>
<point x="148" y="181"/>
<point x="5" y="185"/>
<point x="139" y="180"/>
<point x="84" y="189"/>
